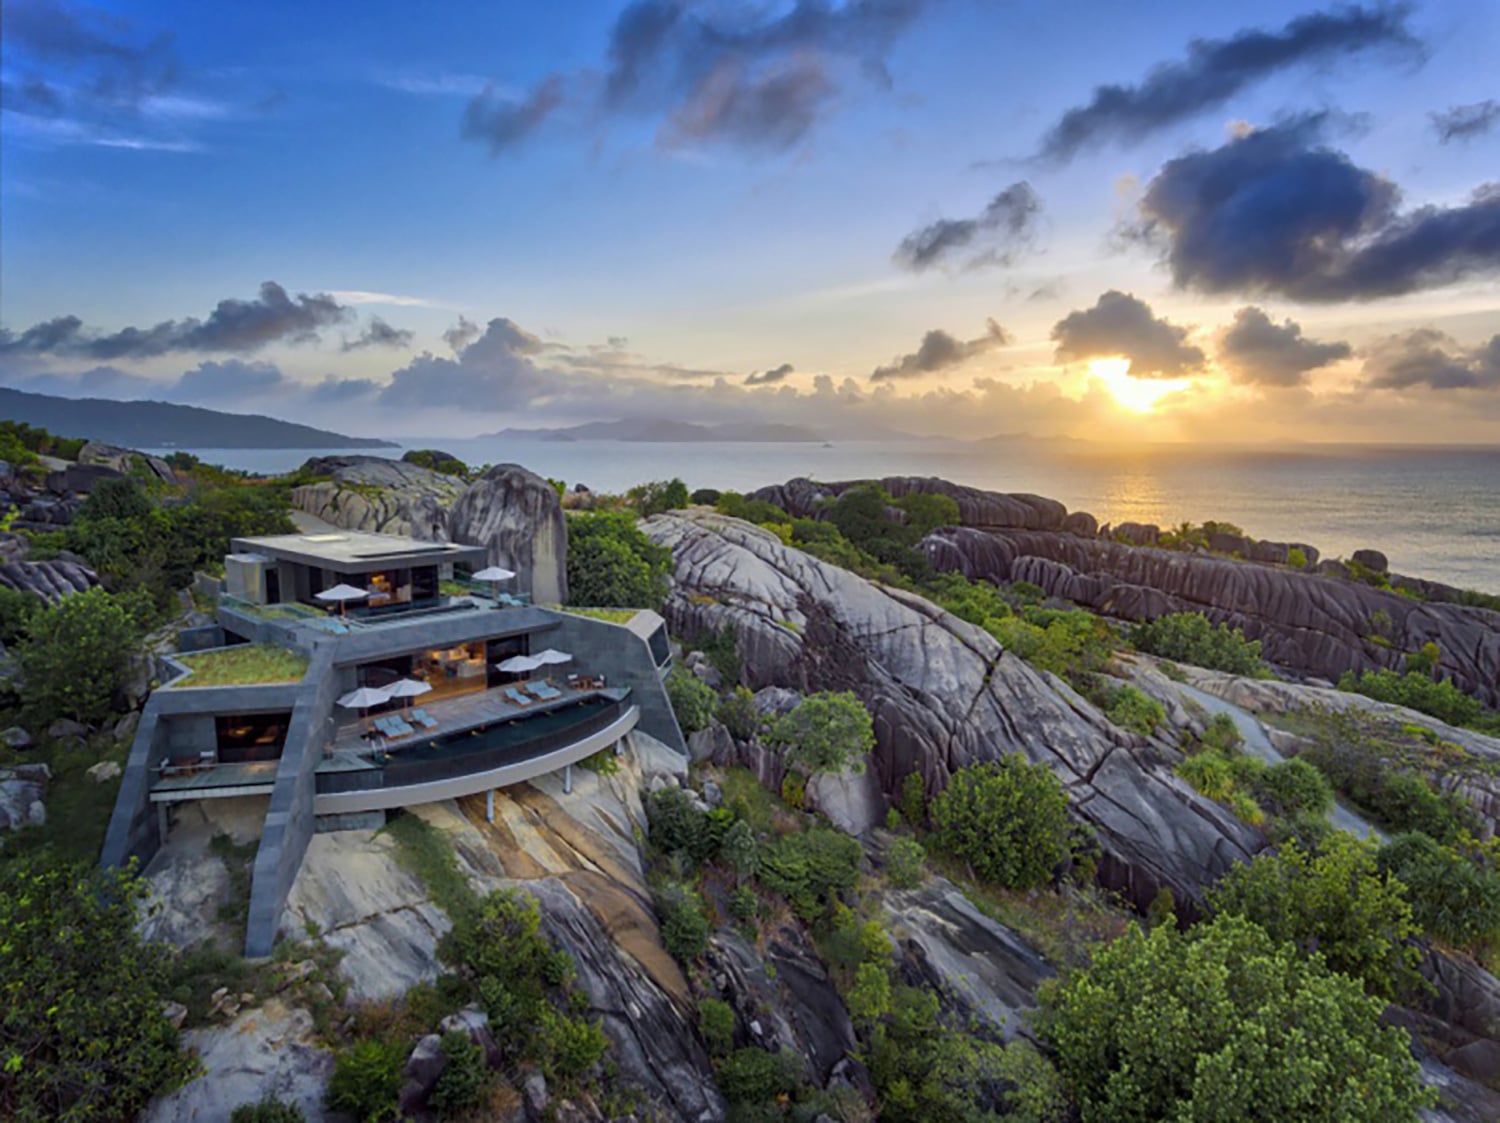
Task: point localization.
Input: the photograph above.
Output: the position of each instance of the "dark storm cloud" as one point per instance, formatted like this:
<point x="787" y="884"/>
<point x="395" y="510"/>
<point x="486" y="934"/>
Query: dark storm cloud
<point x="1217" y="69"/>
<point x="227" y="381"/>
<point x="461" y="334"/>
<point x="90" y="51"/>
<point x="1259" y="351"/>
<point x="1429" y="359"/>
<point x="999" y="233"/>
<point x="740" y="75"/>
<point x="501" y="122"/>
<point x="941" y="351"/>
<point x="496" y="371"/>
<point x="1465" y="122"/>
<point x="379" y="334"/>
<point x="1275" y="211"/>
<point x="1120" y="325"/>
<point x="234" y="325"/>
<point x="769" y="377"/>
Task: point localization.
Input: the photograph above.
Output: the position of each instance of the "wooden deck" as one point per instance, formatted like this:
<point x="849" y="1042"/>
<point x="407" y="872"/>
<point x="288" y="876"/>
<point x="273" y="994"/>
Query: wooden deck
<point x="215" y="781"/>
<point x="350" y="749"/>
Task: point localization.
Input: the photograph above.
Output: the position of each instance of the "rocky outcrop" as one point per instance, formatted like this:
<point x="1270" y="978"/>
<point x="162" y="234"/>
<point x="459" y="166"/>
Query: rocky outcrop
<point x="50" y="580"/>
<point x="1309" y="624"/>
<point x="516" y="515"/>
<point x="23" y="791"/>
<point x="125" y="460"/>
<point x="943" y="695"/>
<point x="377" y="494"/>
<point x="266" y="1051"/>
<point x="976" y="507"/>
<point x="513" y="513"/>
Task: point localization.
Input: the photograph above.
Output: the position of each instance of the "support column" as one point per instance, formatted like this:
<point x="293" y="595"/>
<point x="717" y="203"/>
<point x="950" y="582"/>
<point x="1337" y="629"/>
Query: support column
<point x="489" y="806"/>
<point x="161" y="824"/>
<point x="568" y="779"/>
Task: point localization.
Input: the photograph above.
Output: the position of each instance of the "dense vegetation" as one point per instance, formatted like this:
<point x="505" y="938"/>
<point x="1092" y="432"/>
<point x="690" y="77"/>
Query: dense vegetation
<point x="1419" y="691"/>
<point x="1007" y="820"/>
<point x="1190" y="637"/>
<point x="612" y="564"/>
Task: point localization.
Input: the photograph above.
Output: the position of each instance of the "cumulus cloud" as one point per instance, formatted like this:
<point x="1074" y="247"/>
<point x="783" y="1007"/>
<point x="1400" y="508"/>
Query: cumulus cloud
<point x="233" y="325"/>
<point x="502" y="122"/>
<point x="1275" y="211"/>
<point x="1257" y="350"/>
<point x="769" y="377"/>
<point x="498" y="370"/>
<point x="1217" y="69"/>
<point x="941" y="351"/>
<point x="745" y="75"/>
<point x="342" y="391"/>
<point x="461" y="334"/>
<point x="379" y="334"/>
<point x="1465" y="122"/>
<point x="228" y="381"/>
<point x="1427" y="358"/>
<point x="996" y="236"/>
<point x="1122" y="326"/>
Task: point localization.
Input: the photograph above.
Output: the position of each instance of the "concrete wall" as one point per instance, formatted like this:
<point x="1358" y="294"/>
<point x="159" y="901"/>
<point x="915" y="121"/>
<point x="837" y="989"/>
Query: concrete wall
<point x="175" y="720"/>
<point x="290" y="822"/>
<point x="624" y="659"/>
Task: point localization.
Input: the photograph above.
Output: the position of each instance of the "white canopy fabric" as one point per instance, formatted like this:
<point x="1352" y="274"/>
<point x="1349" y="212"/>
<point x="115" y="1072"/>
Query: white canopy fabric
<point x="518" y="664"/>
<point x="343" y="593"/>
<point x="407" y="688"/>
<point x="493" y="573"/>
<point x="364" y="698"/>
<point x="552" y="655"/>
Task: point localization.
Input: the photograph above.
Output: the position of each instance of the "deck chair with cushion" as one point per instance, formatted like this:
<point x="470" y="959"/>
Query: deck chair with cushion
<point x="516" y="696"/>
<point x="545" y="692"/>
<point x="422" y="717"/>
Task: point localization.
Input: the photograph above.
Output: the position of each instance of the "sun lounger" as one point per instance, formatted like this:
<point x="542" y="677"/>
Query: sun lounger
<point x="420" y="715"/>
<point x="516" y="696"/>
<point x="545" y="692"/>
<point x="401" y="729"/>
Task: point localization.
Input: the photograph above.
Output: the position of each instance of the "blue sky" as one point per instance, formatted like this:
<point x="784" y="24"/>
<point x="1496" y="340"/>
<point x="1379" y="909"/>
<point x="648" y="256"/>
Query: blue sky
<point x="637" y="207"/>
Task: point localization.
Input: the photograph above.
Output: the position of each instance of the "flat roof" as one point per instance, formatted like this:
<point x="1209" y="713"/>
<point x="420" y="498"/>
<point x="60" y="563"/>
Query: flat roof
<point x="356" y="551"/>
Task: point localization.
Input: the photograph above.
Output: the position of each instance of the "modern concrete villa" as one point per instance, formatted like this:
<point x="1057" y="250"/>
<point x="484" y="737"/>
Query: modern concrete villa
<point x="351" y="673"/>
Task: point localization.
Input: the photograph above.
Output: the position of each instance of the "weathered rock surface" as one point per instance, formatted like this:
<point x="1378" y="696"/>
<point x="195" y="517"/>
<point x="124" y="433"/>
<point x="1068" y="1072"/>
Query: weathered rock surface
<point x="513" y="513"/>
<point x="23" y="788"/>
<point x="851" y="800"/>
<point x="516" y="515"/>
<point x="943" y="695"/>
<point x="984" y="972"/>
<point x="50" y="580"/>
<point x="1310" y="624"/>
<point x="976" y="507"/>
<point x="265" y="1051"/>
<point x="123" y="460"/>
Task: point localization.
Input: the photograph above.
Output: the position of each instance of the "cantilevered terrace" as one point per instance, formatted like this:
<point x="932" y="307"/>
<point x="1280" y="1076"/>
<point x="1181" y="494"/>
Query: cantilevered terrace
<point x="255" y="727"/>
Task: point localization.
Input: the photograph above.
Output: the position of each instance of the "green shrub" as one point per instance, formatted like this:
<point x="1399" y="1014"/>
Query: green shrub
<point x="825" y="732"/>
<point x="268" y="1110"/>
<point x="1335" y="903"/>
<point x="1222" y="733"/>
<point x="1218" y="1025"/>
<point x="705" y="496"/>
<point x="740" y="851"/>
<point x="1416" y="691"/>
<point x="906" y="863"/>
<point x="679" y="827"/>
<point x="1399" y="801"/>
<point x="693" y="700"/>
<point x="76" y="657"/>
<point x="914" y="799"/>
<point x="573" y="1045"/>
<point x="736" y="506"/>
<point x="366" y="1081"/>
<point x="82" y="1033"/>
<point x="743" y="903"/>
<point x="684" y="928"/>
<point x="612" y="564"/>
<point x="1070" y="643"/>
<point x="16" y="612"/>
<point x="460" y="1086"/>
<point x="756" y="1075"/>
<point x="1128" y="708"/>
<point x="722" y="647"/>
<point x="1295" y="787"/>
<point x="1452" y="897"/>
<point x="1296" y="558"/>
<point x="657" y="497"/>
<point x="1008" y="820"/>
<point x="809" y="870"/>
<point x="737" y="713"/>
<point x="716" y="1025"/>
<point x="1189" y="637"/>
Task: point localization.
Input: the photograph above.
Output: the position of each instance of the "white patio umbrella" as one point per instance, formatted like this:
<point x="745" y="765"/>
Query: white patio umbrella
<point x="494" y="575"/>
<point x="363" y="698"/>
<point x="408" y="688"/>
<point x="552" y="655"/>
<point x="342" y="595"/>
<point x="518" y="664"/>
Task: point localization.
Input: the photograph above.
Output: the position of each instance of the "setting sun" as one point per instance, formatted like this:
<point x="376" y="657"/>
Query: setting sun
<point x="1139" y="395"/>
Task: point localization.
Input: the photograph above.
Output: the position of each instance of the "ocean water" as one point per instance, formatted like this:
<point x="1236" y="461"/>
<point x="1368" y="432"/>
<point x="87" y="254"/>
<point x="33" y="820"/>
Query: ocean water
<point x="1434" y="511"/>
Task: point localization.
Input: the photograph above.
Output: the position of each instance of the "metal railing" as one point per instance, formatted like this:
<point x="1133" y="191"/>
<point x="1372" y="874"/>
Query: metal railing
<point x="518" y="740"/>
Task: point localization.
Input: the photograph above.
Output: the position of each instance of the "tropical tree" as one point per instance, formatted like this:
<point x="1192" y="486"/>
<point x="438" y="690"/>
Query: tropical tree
<point x="825" y="732"/>
<point x="1007" y="819"/>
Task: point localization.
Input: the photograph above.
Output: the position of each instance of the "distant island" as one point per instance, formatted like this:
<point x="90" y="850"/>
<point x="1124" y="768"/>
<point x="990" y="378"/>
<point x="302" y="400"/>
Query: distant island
<point x="152" y="424"/>
<point x="663" y="431"/>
